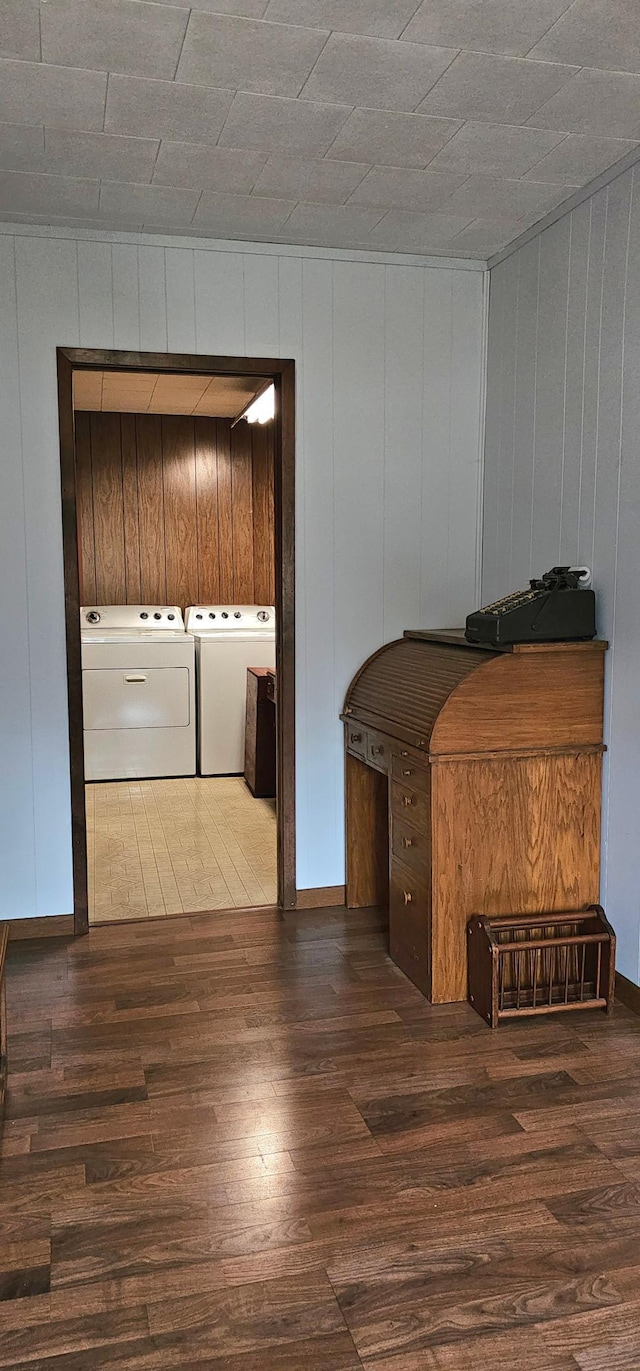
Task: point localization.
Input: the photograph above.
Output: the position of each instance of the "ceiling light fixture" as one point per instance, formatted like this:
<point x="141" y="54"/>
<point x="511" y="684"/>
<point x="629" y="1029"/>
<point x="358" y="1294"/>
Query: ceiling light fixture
<point x="261" y="408"/>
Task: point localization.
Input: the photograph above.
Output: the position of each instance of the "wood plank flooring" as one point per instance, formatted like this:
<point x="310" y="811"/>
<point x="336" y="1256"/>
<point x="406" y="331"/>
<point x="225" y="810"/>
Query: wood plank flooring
<point x="245" y="1141"/>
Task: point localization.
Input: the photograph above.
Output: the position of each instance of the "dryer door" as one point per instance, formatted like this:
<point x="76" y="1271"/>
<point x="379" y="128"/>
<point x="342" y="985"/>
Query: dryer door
<point x="156" y="697"/>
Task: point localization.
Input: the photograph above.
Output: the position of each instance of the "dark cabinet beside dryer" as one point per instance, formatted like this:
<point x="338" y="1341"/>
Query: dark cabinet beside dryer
<point x="473" y="781"/>
<point x="260" y="732"/>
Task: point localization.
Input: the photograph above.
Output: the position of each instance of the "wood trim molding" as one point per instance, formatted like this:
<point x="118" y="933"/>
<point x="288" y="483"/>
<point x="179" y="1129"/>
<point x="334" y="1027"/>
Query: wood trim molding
<point x="53" y="926"/>
<point x="282" y="373"/>
<point x="628" y="992"/>
<point x="321" y="897"/>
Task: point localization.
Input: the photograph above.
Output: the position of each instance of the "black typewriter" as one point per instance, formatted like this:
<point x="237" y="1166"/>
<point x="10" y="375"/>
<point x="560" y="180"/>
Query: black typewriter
<point x="557" y="607"/>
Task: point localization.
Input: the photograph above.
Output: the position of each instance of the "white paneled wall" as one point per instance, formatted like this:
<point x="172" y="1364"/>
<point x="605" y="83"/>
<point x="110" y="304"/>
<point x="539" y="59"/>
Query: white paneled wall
<point x="389" y="364"/>
<point x="562" y="469"/>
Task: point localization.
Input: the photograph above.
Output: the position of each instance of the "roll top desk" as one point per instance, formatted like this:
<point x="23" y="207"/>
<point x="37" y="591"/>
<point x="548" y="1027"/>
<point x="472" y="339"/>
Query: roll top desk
<point x="473" y="782"/>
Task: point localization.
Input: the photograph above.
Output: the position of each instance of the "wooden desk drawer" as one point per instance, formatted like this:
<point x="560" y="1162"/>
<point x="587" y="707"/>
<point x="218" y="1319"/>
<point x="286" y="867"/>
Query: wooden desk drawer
<point x="356" y="740"/>
<point x="412" y="806"/>
<point x="408" y="771"/>
<point x="411" y="845"/>
<point x="409" y="924"/>
<point x="378" y="752"/>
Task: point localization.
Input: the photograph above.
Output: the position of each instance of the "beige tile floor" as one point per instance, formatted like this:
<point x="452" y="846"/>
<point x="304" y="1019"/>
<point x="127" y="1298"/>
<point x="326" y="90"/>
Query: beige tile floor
<point x="178" y="846"/>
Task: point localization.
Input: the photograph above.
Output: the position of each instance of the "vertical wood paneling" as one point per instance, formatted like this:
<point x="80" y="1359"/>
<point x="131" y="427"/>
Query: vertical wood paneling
<point x="180" y="525"/>
<point x="153" y="575"/>
<point x="84" y="499"/>
<point x="130" y="510"/>
<point x="262" y="471"/>
<point x="108" y="513"/>
<point x="225" y="515"/>
<point x="352" y="545"/>
<point x="577" y="489"/>
<point x="205" y="431"/>
<point x="242" y="514"/>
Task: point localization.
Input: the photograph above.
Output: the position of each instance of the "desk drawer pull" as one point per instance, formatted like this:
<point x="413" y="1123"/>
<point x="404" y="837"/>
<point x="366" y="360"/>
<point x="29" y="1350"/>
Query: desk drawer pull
<point x="407" y="896"/>
<point x="407" y="800"/>
<point x="407" y="842"/>
<point x="408" y="772"/>
<point x="135" y="680"/>
<point x="377" y="751"/>
<point x="355" y="737"/>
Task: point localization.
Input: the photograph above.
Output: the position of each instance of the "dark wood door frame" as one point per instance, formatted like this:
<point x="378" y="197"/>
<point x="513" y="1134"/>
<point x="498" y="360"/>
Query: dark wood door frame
<point x="282" y="372"/>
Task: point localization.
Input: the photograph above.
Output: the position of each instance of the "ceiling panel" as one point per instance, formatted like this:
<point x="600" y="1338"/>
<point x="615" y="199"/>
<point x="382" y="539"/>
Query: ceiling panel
<point x="149" y="392"/>
<point x="346" y="123"/>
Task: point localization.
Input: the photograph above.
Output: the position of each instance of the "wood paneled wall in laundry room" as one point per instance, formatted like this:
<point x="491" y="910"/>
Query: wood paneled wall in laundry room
<point x="174" y="509"/>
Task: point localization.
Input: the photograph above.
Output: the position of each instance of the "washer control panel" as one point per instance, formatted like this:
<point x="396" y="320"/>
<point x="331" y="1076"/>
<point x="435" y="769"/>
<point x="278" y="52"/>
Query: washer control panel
<point x="230" y="618"/>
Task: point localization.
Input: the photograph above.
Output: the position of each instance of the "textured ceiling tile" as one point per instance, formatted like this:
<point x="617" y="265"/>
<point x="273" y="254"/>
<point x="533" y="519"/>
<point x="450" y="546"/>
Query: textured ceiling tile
<point x="379" y="18"/>
<point x="330" y="223"/>
<point x="375" y="73"/>
<point x="400" y="232"/>
<point x="239" y="216"/>
<point x="317" y="182"/>
<point x="486" y="236"/>
<point x="506" y="90"/>
<point x="226" y="170"/>
<point x="406" y="188"/>
<point x="123" y="35"/>
<point x="506" y="26"/>
<point x="276" y="125"/>
<point x="397" y="140"/>
<point x="166" y="109"/>
<point x="600" y="102"/>
<point x="20" y="29"/>
<point x="27" y="193"/>
<point x="21" y="148"/>
<point x="247" y="9"/>
<point x="35" y="94"/>
<point x="156" y="204"/>
<point x="274" y="59"/>
<point x="100" y="155"/>
<point x="492" y="197"/>
<point x="595" y="34"/>
<point x="504" y="149"/>
<point x="578" y="158"/>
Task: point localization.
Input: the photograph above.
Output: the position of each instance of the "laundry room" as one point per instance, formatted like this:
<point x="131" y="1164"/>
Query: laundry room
<point x="175" y="502"/>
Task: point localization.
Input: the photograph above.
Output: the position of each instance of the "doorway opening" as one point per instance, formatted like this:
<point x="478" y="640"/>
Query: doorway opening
<point x="178" y="536"/>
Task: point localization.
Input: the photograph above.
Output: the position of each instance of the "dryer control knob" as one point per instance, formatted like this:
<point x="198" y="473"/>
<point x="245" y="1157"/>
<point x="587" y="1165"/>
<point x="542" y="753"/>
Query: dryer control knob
<point x="224" y="614"/>
<point x="171" y="616"/>
<point x="157" y="616"/>
<point x="93" y="617"/>
<point x="144" y="614"/>
<point x="211" y="616"/>
<point x="237" y="614"/>
<point x="263" y="616"/>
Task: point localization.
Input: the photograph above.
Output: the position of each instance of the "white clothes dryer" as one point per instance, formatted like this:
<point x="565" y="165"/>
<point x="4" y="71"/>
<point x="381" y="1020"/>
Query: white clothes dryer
<point x="229" y="638"/>
<point x="138" y="692"/>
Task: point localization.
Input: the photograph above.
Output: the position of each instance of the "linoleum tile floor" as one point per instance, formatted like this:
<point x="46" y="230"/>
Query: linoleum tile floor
<point x="178" y="846"/>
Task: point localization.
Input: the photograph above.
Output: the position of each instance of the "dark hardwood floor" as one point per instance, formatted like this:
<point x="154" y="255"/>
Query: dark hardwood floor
<point x="246" y="1142"/>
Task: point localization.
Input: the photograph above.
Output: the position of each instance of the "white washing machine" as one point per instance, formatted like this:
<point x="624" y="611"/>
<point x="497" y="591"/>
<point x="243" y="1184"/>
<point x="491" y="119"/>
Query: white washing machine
<point x="138" y="692"/>
<point x="229" y="638"/>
